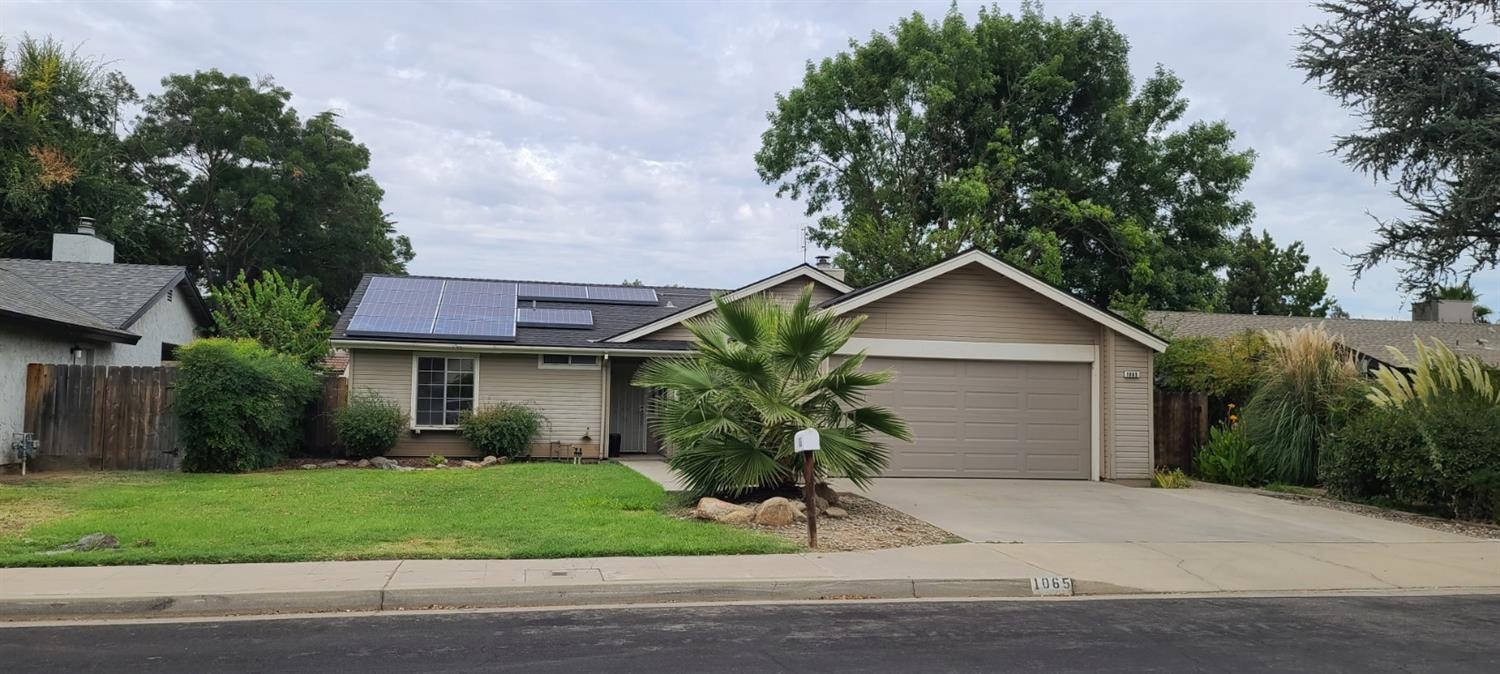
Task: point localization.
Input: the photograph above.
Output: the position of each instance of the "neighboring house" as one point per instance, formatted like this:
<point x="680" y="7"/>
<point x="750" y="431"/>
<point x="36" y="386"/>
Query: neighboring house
<point x="1448" y="321"/>
<point x="81" y="308"/>
<point x="998" y="373"/>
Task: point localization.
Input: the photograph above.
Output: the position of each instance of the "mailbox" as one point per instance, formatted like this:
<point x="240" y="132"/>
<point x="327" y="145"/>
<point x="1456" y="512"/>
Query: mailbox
<point x="806" y="441"/>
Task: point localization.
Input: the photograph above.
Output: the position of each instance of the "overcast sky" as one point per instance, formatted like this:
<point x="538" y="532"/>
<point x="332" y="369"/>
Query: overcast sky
<point x="606" y="141"/>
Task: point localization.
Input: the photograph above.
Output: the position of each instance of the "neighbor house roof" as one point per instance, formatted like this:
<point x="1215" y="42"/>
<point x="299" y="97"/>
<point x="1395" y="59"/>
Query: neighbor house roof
<point x="116" y="294"/>
<point x="1374" y="338"/>
<point x="22" y="300"/>
<point x="608" y="319"/>
<point x="707" y="305"/>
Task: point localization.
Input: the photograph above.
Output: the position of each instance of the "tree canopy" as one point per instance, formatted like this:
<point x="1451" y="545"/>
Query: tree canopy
<point x="1020" y="135"/>
<point x="284" y="317"/>
<point x="250" y="186"/>
<point x="1427" y="91"/>
<point x="1264" y="279"/>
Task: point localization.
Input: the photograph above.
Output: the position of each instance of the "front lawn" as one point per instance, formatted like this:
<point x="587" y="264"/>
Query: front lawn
<point x="515" y="511"/>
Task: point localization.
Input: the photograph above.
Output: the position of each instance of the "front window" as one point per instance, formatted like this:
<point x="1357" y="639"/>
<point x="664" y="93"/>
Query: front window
<point x="445" y="388"/>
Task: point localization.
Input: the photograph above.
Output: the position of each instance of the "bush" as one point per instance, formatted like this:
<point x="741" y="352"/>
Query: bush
<point x="1229" y="458"/>
<point x="239" y="405"/>
<point x="1170" y="479"/>
<point x="505" y="429"/>
<point x="1374" y="444"/>
<point x="435" y="460"/>
<point x="1309" y="384"/>
<point x="369" y="425"/>
<point x="284" y="317"/>
<point x="1480" y="498"/>
<point x="1221" y="368"/>
<point x="1463" y="439"/>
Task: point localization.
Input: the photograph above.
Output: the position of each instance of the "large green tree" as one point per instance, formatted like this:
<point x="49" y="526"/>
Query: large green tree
<point x="60" y="152"/>
<point x="247" y="184"/>
<point x="1021" y="135"/>
<point x="1262" y="278"/>
<point x="1423" y="76"/>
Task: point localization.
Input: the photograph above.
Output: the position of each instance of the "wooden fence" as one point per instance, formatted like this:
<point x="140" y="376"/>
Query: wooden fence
<point x="120" y="418"/>
<point x="1181" y="423"/>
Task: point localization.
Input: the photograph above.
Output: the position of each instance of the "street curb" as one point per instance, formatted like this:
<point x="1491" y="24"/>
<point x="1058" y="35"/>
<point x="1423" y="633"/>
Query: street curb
<point x="519" y="596"/>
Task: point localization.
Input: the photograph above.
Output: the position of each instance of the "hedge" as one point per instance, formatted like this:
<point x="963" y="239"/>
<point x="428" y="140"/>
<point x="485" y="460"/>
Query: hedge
<point x="239" y="405"/>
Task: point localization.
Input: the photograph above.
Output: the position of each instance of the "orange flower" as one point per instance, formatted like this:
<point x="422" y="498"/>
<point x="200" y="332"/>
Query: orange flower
<point x="1234" y="419"/>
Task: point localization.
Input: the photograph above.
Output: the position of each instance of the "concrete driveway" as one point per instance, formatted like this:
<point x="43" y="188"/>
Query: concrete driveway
<point x="1046" y="511"/>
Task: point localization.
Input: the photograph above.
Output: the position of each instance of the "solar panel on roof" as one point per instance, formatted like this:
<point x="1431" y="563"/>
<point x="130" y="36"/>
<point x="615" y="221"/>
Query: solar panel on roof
<point x="397" y="306"/>
<point x="554" y="318"/>
<point x="550" y="291"/>
<point x="617" y="295"/>
<point x="482" y="309"/>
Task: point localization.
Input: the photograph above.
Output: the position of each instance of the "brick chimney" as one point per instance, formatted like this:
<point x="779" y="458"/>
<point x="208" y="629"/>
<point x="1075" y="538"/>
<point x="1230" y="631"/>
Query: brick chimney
<point x="84" y="245"/>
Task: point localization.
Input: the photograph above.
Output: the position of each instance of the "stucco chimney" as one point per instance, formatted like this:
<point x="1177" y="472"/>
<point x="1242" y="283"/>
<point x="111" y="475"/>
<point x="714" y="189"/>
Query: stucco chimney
<point x="825" y="264"/>
<point x="1443" y="311"/>
<point x="82" y="246"/>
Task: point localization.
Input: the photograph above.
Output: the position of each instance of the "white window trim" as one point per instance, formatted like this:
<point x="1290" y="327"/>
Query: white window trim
<point x="416" y="356"/>
<point x="541" y="363"/>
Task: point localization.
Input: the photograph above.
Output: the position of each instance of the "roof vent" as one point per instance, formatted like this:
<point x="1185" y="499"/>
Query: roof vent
<point x="825" y="264"/>
<point x="86" y="226"/>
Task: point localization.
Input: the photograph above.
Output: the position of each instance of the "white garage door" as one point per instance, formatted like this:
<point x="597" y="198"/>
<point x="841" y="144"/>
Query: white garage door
<point x="1003" y="419"/>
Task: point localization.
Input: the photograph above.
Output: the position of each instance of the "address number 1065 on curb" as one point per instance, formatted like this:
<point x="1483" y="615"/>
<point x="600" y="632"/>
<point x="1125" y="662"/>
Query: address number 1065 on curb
<point x="1051" y="586"/>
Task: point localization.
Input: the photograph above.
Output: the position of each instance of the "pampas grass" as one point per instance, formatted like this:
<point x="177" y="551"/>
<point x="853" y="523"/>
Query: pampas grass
<point x="1308" y="381"/>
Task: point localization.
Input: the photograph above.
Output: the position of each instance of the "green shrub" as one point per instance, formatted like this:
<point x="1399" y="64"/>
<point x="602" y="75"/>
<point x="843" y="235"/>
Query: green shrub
<point x="1170" y="479"/>
<point x="505" y="429"/>
<point x="239" y="405"/>
<point x="1309" y="383"/>
<point x="1480" y="496"/>
<point x="436" y="460"/>
<point x="1463" y="440"/>
<point x="1359" y="456"/>
<point x="369" y="425"/>
<point x="1222" y="368"/>
<point x="1229" y="458"/>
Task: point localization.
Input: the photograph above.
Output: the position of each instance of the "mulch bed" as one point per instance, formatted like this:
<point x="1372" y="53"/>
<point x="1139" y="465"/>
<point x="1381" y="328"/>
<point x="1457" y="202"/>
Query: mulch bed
<point x="869" y="526"/>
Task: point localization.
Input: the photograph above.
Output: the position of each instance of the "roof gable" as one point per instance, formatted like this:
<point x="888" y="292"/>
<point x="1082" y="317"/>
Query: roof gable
<point x="116" y="294"/>
<point x="22" y="299"/>
<point x="866" y="296"/>
<point x="800" y="271"/>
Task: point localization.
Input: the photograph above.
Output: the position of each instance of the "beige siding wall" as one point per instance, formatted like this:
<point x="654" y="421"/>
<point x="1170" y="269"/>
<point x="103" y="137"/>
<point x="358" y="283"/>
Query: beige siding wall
<point x="571" y="399"/>
<point x="1128" y="430"/>
<point x="974" y="304"/>
<point x="786" y="293"/>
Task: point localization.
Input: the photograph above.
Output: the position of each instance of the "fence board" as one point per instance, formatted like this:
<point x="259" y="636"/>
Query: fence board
<point x="1181" y="427"/>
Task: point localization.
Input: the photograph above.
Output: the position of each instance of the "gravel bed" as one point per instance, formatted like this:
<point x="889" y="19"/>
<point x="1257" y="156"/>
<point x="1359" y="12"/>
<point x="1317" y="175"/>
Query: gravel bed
<point x="869" y="526"/>
<point x="1460" y="527"/>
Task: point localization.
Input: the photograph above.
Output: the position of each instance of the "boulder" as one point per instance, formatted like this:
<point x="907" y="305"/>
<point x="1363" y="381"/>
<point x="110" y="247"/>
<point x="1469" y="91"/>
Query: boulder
<point x="775" y="512"/>
<point x="309" y="466"/>
<point x="384" y="463"/>
<point x="709" y="508"/>
<point x="363" y="463"/>
<point x="329" y="464"/>
<point x="489" y="460"/>
<point x="341" y="462"/>
<point x="741" y="516"/>
<point x="826" y="493"/>
<point x="836" y="512"/>
<point x="471" y="464"/>
<point x="95" y="541"/>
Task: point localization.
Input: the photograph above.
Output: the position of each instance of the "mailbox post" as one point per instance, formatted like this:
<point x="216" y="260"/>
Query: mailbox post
<point x="806" y="443"/>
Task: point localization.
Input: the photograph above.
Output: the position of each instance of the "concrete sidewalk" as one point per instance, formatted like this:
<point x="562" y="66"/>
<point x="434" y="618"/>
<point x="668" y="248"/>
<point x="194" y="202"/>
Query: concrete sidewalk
<point x="960" y="570"/>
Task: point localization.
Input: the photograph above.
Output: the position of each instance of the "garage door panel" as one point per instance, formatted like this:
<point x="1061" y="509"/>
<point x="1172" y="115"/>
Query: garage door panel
<point x="1000" y="419"/>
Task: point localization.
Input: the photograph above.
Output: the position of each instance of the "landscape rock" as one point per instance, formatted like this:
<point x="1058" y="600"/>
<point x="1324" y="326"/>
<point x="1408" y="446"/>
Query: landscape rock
<point x="341" y="462"/>
<point x="709" y="508"/>
<point x="775" y="512"/>
<point x="363" y="463"/>
<point x="489" y="460"/>
<point x="403" y="468"/>
<point x="471" y="464"/>
<point x="741" y="516"/>
<point x="384" y="463"/>
<point x="329" y="464"/>
<point x="826" y="493"/>
<point x="836" y="512"/>
<point x="309" y="466"/>
<point x="94" y="541"/>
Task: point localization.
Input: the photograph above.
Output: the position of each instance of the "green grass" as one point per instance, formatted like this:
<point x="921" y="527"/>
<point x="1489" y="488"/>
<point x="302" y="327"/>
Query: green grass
<point x="1295" y="490"/>
<point x="514" y="511"/>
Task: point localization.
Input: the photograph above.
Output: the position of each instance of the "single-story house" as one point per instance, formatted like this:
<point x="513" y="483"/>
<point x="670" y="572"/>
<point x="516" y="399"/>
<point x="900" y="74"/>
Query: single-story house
<point x="81" y="308"/>
<point x="1372" y="340"/>
<point x="998" y="373"/>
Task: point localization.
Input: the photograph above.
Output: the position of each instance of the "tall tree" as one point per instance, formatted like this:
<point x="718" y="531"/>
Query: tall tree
<point x="1021" y="135"/>
<point x="60" y="152"/>
<point x="1264" y="279"/>
<point x="1427" y="89"/>
<point x="249" y="185"/>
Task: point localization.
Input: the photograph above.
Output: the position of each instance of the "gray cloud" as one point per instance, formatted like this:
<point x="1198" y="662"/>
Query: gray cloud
<point x="603" y="141"/>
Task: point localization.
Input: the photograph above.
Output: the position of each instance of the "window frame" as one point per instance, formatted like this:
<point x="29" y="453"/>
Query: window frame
<point x="542" y="364"/>
<point x="416" y="360"/>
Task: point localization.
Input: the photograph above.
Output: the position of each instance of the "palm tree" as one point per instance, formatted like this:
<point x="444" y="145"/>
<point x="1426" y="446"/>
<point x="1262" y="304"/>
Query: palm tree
<point x="761" y="373"/>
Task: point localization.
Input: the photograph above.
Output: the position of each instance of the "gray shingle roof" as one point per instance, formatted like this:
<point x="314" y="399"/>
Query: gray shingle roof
<point x="1373" y="338"/>
<point x="113" y="293"/>
<point x="609" y="319"/>
<point x="23" y="299"/>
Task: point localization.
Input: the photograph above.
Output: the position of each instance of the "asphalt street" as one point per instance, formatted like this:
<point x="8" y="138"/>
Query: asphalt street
<point x="1323" y="634"/>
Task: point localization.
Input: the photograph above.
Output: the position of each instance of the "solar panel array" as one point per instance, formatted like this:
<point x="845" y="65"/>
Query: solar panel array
<point x="554" y="318"/>
<point x="481" y="310"/>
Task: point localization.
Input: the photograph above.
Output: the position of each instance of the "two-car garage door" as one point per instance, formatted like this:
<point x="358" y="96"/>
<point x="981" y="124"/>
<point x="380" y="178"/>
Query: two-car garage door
<point x="977" y="418"/>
